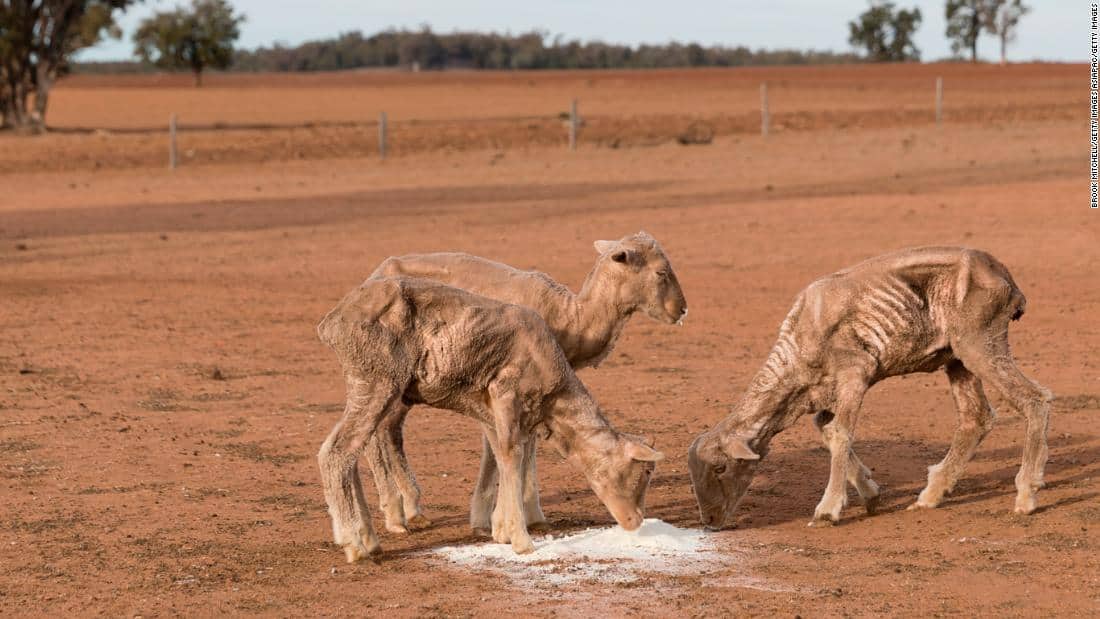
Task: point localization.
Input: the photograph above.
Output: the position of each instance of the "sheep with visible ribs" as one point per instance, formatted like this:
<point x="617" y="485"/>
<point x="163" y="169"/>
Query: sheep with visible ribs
<point x="917" y="310"/>
<point x="407" y="341"/>
<point x="630" y="275"/>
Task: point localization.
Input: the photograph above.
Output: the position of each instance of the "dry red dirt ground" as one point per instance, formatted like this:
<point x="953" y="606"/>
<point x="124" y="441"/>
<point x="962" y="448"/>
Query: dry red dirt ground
<point x="163" y="394"/>
<point x="105" y="122"/>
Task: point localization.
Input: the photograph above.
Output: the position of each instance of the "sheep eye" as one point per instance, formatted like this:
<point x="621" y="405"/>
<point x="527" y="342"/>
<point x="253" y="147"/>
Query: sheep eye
<point x="718" y="470"/>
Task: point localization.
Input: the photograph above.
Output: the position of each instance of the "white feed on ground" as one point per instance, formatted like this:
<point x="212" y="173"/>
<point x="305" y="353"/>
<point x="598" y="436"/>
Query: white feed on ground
<point x="607" y="554"/>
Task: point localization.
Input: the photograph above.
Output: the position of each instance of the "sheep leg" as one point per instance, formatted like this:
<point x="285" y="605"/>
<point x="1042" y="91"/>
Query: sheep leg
<point x="510" y="494"/>
<point x="367" y="404"/>
<point x="496" y="528"/>
<point x="389" y="497"/>
<point x="509" y="446"/>
<point x="532" y="508"/>
<point x="859" y="476"/>
<point x="483" y="502"/>
<point x="993" y="364"/>
<point x="508" y="522"/>
<point x="398" y="492"/>
<point x="404" y="477"/>
<point x="976" y="419"/>
<point x="840" y="433"/>
<point x="360" y="504"/>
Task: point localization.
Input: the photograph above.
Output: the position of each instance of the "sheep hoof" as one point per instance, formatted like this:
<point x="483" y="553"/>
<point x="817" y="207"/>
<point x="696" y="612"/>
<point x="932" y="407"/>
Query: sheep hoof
<point x="919" y="505"/>
<point x="419" y="521"/>
<point x="818" y="523"/>
<point x="1025" y="506"/>
<point x="400" y="529"/>
<point x="357" y="552"/>
<point x="482" y="532"/>
<point x="524" y="547"/>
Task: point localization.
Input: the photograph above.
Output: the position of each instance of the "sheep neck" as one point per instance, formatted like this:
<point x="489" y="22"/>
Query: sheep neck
<point x="775" y="398"/>
<point x="578" y="430"/>
<point x="600" y="314"/>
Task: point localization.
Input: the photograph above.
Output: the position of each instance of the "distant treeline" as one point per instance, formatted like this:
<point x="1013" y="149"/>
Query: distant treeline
<point x="532" y="50"/>
<point x="473" y="50"/>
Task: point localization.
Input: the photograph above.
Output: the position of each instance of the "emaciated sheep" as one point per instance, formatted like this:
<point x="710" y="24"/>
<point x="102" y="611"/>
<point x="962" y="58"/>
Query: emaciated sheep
<point x="408" y="341"/>
<point x="913" y="311"/>
<point x="632" y="274"/>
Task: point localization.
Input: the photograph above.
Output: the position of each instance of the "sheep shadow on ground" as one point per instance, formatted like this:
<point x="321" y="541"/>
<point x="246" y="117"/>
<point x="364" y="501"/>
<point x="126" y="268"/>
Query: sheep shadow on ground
<point x="790" y="482"/>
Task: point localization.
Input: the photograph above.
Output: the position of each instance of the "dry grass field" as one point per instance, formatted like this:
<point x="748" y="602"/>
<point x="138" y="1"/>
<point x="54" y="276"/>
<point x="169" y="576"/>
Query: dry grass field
<point x="163" y="394"/>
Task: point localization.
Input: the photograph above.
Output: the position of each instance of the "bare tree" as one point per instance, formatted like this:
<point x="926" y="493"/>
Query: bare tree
<point x="37" y="38"/>
<point x="1001" y="18"/>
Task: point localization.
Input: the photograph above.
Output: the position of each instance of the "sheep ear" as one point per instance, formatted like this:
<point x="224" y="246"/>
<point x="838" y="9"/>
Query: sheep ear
<point x="737" y="447"/>
<point x="602" y="247"/>
<point x="642" y="453"/>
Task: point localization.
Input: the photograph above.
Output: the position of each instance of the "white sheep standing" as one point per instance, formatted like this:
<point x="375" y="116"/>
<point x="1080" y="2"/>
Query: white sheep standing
<point x="631" y="275"/>
<point x="404" y="341"/>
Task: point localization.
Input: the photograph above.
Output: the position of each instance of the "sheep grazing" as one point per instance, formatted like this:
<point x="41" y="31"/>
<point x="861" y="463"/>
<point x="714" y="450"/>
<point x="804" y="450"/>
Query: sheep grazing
<point x="632" y="274"/>
<point x="410" y="341"/>
<point x="917" y="310"/>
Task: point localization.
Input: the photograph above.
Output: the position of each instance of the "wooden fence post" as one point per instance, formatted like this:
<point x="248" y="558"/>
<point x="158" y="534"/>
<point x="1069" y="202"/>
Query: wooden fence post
<point x="382" y="135"/>
<point x="939" y="100"/>
<point x="764" y="116"/>
<point x="573" y="120"/>
<point x="173" y="154"/>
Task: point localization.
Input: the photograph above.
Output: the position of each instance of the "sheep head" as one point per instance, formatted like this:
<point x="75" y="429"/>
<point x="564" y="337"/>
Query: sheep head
<point x="641" y="276"/>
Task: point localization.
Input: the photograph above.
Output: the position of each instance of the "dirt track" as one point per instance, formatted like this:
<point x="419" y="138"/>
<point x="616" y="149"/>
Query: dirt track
<point x="162" y="393"/>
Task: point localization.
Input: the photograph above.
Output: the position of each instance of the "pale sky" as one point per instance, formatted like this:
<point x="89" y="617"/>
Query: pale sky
<point x="1054" y="30"/>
